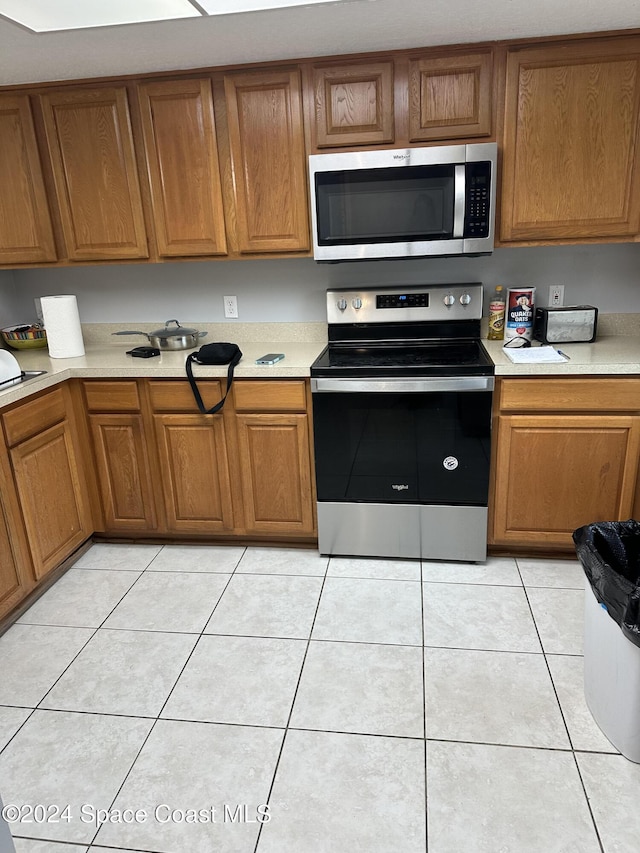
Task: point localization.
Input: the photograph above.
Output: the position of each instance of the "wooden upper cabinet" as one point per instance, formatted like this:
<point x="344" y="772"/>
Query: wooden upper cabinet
<point x="182" y="158"/>
<point x="353" y="104"/>
<point x="25" y="226"/>
<point x="266" y="138"/>
<point x="95" y="173"/>
<point x="570" y="159"/>
<point x="450" y="97"/>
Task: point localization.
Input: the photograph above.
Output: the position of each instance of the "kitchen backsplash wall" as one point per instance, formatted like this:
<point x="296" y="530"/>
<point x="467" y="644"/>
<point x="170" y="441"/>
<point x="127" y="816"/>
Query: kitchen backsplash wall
<point x="293" y="290"/>
<point x="10" y="305"/>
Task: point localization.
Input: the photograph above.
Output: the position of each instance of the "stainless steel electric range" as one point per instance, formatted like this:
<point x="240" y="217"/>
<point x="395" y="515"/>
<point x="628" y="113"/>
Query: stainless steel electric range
<point x="402" y="400"/>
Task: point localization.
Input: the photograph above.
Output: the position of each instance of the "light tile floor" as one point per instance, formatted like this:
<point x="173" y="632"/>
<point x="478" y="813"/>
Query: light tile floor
<point x="262" y="700"/>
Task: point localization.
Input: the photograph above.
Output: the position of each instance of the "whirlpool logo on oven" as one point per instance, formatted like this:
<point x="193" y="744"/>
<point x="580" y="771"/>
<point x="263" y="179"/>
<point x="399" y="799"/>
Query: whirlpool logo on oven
<point x="400" y="487"/>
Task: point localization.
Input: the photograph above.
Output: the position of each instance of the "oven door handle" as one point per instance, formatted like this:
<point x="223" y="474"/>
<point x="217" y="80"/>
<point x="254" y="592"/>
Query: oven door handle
<point x="427" y="385"/>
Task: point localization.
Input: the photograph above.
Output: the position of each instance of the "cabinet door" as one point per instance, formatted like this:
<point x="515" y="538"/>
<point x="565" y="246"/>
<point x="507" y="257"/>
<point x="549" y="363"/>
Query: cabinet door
<point x="570" y="164"/>
<point x="94" y="168"/>
<point x="123" y="471"/>
<point x="53" y="504"/>
<point x="195" y="475"/>
<point x="557" y="473"/>
<point x="276" y="473"/>
<point x="12" y="587"/>
<point x="25" y="227"/>
<point x="353" y="104"/>
<point x="450" y="96"/>
<point x="266" y="138"/>
<point x="182" y="157"/>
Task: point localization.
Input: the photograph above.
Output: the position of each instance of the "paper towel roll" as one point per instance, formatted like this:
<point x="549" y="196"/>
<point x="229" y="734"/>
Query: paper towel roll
<point x="62" y="322"/>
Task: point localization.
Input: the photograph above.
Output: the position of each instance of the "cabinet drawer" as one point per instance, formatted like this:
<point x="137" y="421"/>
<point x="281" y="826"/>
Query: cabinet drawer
<point x="112" y="396"/>
<point x="35" y="416"/>
<point x="565" y="395"/>
<point x="177" y="396"/>
<point x="268" y="395"/>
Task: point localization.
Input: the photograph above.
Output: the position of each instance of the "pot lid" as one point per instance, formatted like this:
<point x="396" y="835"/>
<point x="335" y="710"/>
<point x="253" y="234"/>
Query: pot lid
<point x="173" y="331"/>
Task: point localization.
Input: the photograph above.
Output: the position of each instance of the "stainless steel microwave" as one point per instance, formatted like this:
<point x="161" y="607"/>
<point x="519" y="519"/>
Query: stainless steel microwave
<point x="403" y="203"/>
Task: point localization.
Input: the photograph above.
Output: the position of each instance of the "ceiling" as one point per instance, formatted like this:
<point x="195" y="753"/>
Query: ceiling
<point x="357" y="26"/>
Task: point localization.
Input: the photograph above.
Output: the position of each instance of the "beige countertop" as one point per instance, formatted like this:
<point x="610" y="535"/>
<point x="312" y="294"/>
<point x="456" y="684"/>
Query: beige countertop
<point x="609" y="355"/>
<point x="106" y="358"/>
<point x="110" y="361"/>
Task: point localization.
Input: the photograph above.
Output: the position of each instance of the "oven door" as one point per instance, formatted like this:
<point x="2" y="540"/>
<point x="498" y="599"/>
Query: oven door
<point x="402" y="465"/>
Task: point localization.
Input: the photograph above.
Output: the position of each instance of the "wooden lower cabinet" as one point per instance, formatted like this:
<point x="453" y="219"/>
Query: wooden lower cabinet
<point x="194" y="473"/>
<point x="123" y="472"/>
<point x="555" y="471"/>
<point x="11" y="584"/>
<point x="51" y="495"/>
<point x="246" y="472"/>
<point x="120" y="441"/>
<point x="276" y="473"/>
<point x="16" y="575"/>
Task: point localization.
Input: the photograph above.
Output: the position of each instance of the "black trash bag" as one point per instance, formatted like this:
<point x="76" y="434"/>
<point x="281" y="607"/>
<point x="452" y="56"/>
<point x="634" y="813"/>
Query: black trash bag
<point x="610" y="555"/>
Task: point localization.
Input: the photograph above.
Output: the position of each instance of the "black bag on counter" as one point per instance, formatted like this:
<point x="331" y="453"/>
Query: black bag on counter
<point x="213" y="354"/>
<point x="610" y="555"/>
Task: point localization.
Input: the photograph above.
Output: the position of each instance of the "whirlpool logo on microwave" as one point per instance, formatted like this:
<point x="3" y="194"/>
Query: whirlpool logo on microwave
<point x="400" y="487"/>
<point x="402" y="156"/>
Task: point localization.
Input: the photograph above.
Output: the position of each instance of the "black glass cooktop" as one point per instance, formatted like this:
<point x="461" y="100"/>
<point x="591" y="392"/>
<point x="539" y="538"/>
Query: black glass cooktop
<point x="432" y="358"/>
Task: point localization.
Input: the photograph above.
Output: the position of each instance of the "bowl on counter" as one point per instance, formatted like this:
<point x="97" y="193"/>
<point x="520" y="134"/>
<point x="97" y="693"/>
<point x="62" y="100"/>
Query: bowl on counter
<point x="25" y="336"/>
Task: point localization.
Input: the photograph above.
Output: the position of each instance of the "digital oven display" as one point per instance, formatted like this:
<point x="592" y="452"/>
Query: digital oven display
<point x="402" y="300"/>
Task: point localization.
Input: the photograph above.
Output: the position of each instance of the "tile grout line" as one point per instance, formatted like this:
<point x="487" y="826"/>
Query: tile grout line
<point x="62" y="711"/>
<point x="564" y="720"/>
<point x="288" y="726"/>
<point x="293" y="701"/>
<point x="424" y="709"/>
<point x="157" y="718"/>
<point x="79" y="652"/>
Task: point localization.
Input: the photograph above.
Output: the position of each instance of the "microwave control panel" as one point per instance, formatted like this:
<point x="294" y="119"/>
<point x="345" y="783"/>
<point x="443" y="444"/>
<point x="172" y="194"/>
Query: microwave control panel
<point x="478" y="199"/>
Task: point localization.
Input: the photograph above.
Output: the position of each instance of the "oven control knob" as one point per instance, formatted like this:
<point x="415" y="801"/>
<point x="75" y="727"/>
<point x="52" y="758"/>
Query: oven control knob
<point x="342" y="304"/>
<point x="357" y="303"/>
<point x="449" y="299"/>
<point x="465" y="299"/>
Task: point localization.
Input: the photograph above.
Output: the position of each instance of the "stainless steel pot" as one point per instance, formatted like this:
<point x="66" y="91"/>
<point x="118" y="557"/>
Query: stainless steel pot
<point x="171" y="337"/>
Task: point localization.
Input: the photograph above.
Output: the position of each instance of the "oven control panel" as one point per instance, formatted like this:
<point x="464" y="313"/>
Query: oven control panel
<point x="402" y="300"/>
<point x="413" y="303"/>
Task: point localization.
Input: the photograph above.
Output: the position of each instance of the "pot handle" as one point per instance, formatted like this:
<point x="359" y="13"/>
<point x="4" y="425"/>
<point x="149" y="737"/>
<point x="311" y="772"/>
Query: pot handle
<point x="130" y="333"/>
<point x="166" y="325"/>
<point x="202" y="334"/>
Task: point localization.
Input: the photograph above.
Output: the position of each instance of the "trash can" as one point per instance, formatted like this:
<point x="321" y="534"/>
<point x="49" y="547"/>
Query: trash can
<point x="610" y="556"/>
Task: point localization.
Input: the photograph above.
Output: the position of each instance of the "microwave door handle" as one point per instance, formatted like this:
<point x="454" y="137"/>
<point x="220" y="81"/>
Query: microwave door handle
<point x="459" y="200"/>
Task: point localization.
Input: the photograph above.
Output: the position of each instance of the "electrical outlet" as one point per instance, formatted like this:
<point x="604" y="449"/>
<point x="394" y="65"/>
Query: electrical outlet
<point x="556" y="295"/>
<point x="230" y="307"/>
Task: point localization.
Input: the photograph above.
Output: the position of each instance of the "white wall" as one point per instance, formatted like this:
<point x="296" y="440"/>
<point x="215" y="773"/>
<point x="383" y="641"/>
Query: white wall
<point x="10" y="305"/>
<point x="292" y="290"/>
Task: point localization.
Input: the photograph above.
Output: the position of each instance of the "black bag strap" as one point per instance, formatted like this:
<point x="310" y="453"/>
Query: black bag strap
<point x="196" y="393"/>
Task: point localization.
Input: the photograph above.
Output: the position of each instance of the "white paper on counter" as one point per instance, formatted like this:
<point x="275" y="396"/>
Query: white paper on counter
<point x="62" y="322"/>
<point x="533" y="355"/>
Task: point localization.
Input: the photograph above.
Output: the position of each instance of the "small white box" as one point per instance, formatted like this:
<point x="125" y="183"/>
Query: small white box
<point x="611" y="678"/>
